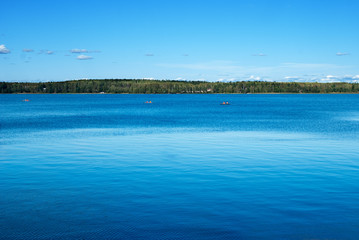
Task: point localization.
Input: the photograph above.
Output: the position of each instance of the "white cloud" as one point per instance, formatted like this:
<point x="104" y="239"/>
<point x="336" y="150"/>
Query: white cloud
<point x="4" y="50"/>
<point x="342" y="53"/>
<point x="254" y="78"/>
<point x="325" y="79"/>
<point x="295" y="72"/>
<point x="350" y="78"/>
<point x="49" y="52"/>
<point x="79" y="50"/>
<point x="330" y="78"/>
<point x="84" y="57"/>
<point x="227" y="80"/>
<point x="27" y="50"/>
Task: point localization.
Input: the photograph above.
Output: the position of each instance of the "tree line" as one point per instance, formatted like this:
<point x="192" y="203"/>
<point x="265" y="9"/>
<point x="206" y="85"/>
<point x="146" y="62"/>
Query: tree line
<point x="172" y="87"/>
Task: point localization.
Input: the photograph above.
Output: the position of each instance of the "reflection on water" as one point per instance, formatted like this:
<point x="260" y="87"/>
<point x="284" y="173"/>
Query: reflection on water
<point x="185" y="167"/>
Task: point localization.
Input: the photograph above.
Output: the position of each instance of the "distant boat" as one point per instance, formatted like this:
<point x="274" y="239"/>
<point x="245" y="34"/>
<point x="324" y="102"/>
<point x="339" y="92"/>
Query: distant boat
<point x="26" y="100"/>
<point x="148" y="102"/>
<point x="224" y="103"/>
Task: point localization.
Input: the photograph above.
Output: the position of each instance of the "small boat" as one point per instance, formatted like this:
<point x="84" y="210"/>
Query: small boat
<point x="224" y="103"/>
<point x="148" y="102"/>
<point x="26" y="100"/>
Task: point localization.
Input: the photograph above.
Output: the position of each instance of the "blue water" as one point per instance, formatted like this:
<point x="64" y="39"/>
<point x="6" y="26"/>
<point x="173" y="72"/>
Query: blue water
<point x="185" y="167"/>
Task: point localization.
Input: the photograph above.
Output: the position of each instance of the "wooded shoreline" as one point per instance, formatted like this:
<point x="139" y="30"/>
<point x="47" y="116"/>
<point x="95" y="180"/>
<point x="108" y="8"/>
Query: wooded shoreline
<point x="141" y="86"/>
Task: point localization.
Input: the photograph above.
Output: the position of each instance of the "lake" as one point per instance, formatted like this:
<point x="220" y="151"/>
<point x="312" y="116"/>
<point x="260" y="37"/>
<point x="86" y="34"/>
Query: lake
<point x="107" y="166"/>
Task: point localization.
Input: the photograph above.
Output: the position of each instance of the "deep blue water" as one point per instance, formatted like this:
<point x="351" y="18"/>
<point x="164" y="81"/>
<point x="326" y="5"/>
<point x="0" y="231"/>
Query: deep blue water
<point x="185" y="167"/>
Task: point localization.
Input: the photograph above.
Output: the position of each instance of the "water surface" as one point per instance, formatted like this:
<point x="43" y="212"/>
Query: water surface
<point x="184" y="167"/>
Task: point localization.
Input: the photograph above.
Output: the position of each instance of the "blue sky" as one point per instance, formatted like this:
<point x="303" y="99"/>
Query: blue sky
<point x="224" y="40"/>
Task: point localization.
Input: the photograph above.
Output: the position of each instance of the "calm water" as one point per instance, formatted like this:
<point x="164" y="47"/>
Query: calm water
<point x="184" y="167"/>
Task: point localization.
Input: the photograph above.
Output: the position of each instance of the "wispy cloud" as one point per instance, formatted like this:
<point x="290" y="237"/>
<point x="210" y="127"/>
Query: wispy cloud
<point x="234" y="71"/>
<point x="149" y="55"/>
<point x="330" y="78"/>
<point x="342" y="53"/>
<point x="233" y="68"/>
<point x="293" y="79"/>
<point x="76" y="50"/>
<point x="27" y="50"/>
<point x="244" y="78"/>
<point x="325" y="79"/>
<point x="84" y="57"/>
<point x="4" y="50"/>
<point x="351" y="78"/>
<point x="311" y="66"/>
<point x="346" y="78"/>
<point x="259" y="55"/>
<point x="48" y="52"/>
<point x="214" y="66"/>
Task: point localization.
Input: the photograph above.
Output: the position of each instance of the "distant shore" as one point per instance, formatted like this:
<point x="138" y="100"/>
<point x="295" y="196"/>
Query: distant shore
<point x="268" y="93"/>
<point x="141" y="86"/>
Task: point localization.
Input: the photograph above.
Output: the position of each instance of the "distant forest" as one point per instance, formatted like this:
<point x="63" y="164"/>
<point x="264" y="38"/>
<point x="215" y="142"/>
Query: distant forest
<point x="172" y="87"/>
